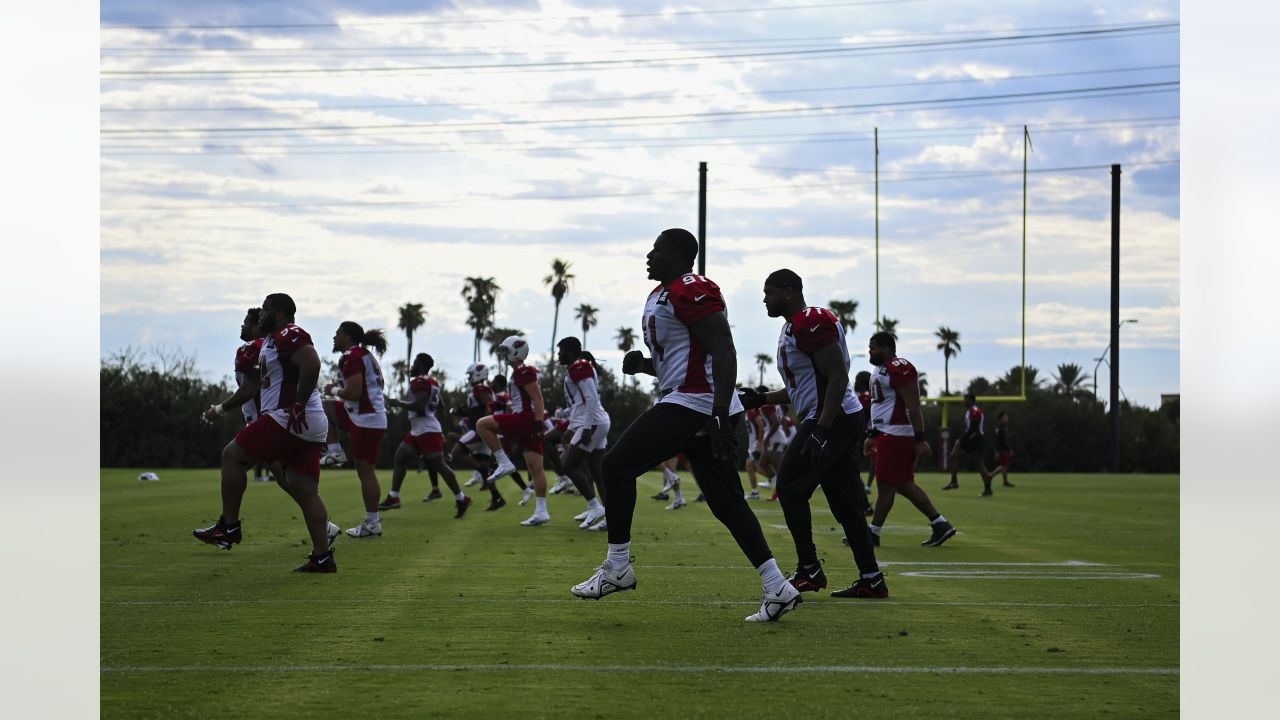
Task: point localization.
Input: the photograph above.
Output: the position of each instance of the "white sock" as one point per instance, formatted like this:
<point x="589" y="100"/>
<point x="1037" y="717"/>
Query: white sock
<point x="594" y="504"/>
<point x="460" y="497"/>
<point x="679" y="495"/>
<point x="666" y="473"/>
<point x="771" y="575"/>
<point x="868" y="576"/>
<point x="874" y="528"/>
<point x="501" y="455"/>
<point x="937" y="520"/>
<point x="620" y="556"/>
<point x="372" y="517"/>
<point x="335" y="447"/>
<point x="393" y="493"/>
<point x="540" y="506"/>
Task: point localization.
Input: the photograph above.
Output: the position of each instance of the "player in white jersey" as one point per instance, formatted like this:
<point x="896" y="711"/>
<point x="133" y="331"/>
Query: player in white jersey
<point x="813" y="360"/>
<point x="425" y="437"/>
<point x="247" y="362"/>
<point x="362" y="411"/>
<point x="897" y="439"/>
<point x="588" y="431"/>
<point x="291" y="429"/>
<point x="692" y="354"/>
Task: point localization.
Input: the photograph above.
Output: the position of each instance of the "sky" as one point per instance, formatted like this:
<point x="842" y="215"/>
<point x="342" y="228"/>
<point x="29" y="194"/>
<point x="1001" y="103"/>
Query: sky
<point x="360" y="156"/>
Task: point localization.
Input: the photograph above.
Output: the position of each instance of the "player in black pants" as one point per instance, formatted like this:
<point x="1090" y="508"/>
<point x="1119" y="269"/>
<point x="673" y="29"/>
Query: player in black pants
<point x="692" y="354"/>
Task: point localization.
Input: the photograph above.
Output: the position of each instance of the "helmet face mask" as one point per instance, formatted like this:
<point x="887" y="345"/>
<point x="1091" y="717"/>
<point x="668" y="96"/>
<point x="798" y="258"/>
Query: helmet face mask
<point x="514" y="349"/>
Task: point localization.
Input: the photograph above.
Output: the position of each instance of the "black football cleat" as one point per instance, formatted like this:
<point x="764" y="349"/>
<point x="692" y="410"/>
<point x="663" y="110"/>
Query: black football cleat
<point x="808" y="579"/>
<point x="220" y="534"/>
<point x="496" y="503"/>
<point x="942" y="532"/>
<point x="462" y="506"/>
<point x="433" y="495"/>
<point x="873" y="588"/>
<point x="318" y="564"/>
<point x="390" y="503"/>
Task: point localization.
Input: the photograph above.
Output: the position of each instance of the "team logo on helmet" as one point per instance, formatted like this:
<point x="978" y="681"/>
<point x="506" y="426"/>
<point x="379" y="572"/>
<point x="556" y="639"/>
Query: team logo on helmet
<point x="477" y="373"/>
<point x="514" y="349"/>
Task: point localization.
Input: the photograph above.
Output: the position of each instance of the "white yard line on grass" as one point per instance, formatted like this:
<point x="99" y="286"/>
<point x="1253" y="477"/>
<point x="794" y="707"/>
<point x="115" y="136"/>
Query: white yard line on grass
<point x="469" y="600"/>
<point x="665" y="669"/>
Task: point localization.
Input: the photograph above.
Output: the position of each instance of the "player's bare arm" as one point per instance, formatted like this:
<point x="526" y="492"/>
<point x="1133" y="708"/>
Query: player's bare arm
<point x="419" y="404"/>
<point x="243" y="394"/>
<point x="712" y="332"/>
<point x="829" y="362"/>
<point x="911" y="397"/>
<point x="308" y="363"/>
<point x="535" y="395"/>
<point x="353" y="389"/>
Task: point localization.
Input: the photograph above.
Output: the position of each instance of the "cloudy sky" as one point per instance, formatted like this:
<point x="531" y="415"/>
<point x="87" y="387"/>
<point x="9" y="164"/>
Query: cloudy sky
<point x="363" y="155"/>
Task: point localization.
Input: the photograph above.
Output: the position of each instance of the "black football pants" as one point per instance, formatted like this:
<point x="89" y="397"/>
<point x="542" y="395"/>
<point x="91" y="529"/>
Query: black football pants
<point x="662" y="432"/>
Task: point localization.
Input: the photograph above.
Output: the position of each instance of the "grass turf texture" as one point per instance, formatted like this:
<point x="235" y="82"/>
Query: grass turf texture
<point x="473" y="618"/>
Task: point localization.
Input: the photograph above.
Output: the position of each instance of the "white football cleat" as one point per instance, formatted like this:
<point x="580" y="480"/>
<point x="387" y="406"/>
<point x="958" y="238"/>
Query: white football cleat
<point x="765" y="484"/>
<point x="333" y="531"/>
<point x="504" y="469"/>
<point x="561" y="484"/>
<point x="526" y="495"/>
<point x="676" y="504"/>
<point x="753" y="495"/>
<point x="476" y="478"/>
<point x="669" y="481"/>
<point x="535" y="520"/>
<point x="602" y="526"/>
<point x="582" y="515"/>
<point x="365" y="529"/>
<point x="605" y="580"/>
<point x="776" y="604"/>
<point x="336" y="459"/>
<point x="591" y="519"/>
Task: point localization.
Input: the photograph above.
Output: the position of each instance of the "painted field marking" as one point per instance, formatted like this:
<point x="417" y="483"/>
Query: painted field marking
<point x="1025" y="575"/>
<point x="842" y="669"/>
<point x="816" y="602"/>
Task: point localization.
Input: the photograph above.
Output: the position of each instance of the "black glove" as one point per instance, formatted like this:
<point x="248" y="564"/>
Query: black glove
<point x="817" y="447"/>
<point x="633" y="362"/>
<point x="751" y="399"/>
<point x="719" y="432"/>
<point x="755" y="455"/>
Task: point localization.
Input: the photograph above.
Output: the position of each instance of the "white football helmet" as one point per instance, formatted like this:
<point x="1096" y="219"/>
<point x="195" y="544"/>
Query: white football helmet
<point x="514" y="349"/>
<point x="477" y="373"/>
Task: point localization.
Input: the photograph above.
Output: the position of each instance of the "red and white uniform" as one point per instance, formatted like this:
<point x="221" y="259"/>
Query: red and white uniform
<point x="280" y="383"/>
<point x="520" y="425"/>
<point x="753" y="440"/>
<point x="775" y="441"/>
<point x="479" y="401"/>
<point x="808" y="331"/>
<point x="895" y="446"/>
<point x="864" y="397"/>
<point x="370" y="410"/>
<point x="425" y="432"/>
<point x="582" y="390"/>
<point x="247" y="360"/>
<point x="973" y="421"/>
<point x="682" y="365"/>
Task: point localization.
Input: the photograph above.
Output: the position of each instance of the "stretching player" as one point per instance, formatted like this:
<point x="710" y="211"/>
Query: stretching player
<point x="291" y="430"/>
<point x="692" y="354"/>
<point x="970" y="446"/>
<point x="522" y="426"/>
<point x="425" y="438"/>
<point x="362" y="410"/>
<point x="588" y="430"/>
<point x="247" y="362"/>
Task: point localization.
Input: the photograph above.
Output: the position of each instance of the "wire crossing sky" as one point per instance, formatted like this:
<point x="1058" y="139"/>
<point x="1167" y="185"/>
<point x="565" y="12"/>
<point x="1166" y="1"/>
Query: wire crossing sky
<point x="362" y="155"/>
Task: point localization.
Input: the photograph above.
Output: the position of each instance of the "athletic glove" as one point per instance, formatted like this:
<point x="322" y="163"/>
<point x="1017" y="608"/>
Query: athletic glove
<point x="750" y="398"/>
<point x="633" y="362"/>
<point x="297" y="418"/>
<point x="817" y="447"/>
<point x="719" y="432"/>
<point x="755" y="455"/>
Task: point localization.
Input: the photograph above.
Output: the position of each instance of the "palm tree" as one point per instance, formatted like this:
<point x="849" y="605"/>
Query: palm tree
<point x="626" y="338"/>
<point x="559" y="280"/>
<point x="481" y="294"/>
<point x="1070" y="381"/>
<point x="763" y="360"/>
<point x="845" y="310"/>
<point x="587" y="314"/>
<point x="949" y="344"/>
<point x="1011" y="382"/>
<point x="889" y="325"/>
<point x="923" y="380"/>
<point x="412" y="317"/>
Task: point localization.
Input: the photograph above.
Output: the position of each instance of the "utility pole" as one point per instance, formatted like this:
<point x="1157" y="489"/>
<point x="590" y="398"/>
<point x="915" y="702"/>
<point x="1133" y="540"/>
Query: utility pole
<point x="1115" y="318"/>
<point x="702" y="218"/>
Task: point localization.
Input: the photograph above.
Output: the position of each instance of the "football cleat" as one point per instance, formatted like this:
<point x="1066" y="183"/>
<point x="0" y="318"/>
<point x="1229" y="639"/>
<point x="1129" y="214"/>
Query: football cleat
<point x="601" y="526"/>
<point x="433" y="495"/>
<point x="986" y="493"/>
<point x="462" y="506"/>
<point x="1008" y="484"/>
<point x="476" y="478"/>
<point x="366" y="529"/>
<point x="753" y="495"/>
<point x="661" y="496"/>
<point x="765" y="484"/>
<point x="263" y="478"/>
<point x="942" y="532"/>
<point x="809" y="579"/>
<point x="676" y="504"/>
<point x="220" y="534"/>
<point x="333" y="532"/>
<point x="951" y="486"/>
<point x="319" y="564"/>
<point x="333" y="459"/>
<point x="390" y="503"/>
<point x="504" y="469"/>
<point x="582" y="515"/>
<point x="535" y="520"/>
<point x="562" y="483"/>
<point x="776" y="604"/>
<point x="774" y="496"/>
<point x="701" y="498"/>
<point x="865" y="588"/>
<point x="604" y="581"/>
<point x="526" y="495"/>
<point x="591" y="519"/>
<point x="495" y="504"/>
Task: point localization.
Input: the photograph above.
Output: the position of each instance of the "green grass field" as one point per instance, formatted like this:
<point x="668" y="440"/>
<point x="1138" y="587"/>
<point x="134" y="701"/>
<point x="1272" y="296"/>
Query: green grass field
<point x="1059" y="598"/>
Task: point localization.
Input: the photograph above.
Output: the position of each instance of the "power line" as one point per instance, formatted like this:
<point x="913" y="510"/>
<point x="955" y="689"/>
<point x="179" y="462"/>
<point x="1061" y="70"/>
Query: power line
<point x="630" y="98"/>
<point x="716" y="114"/>
<point x="591" y="196"/>
<point x="596" y="64"/>
<point x="630" y="143"/>
<point x="496" y="21"/>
